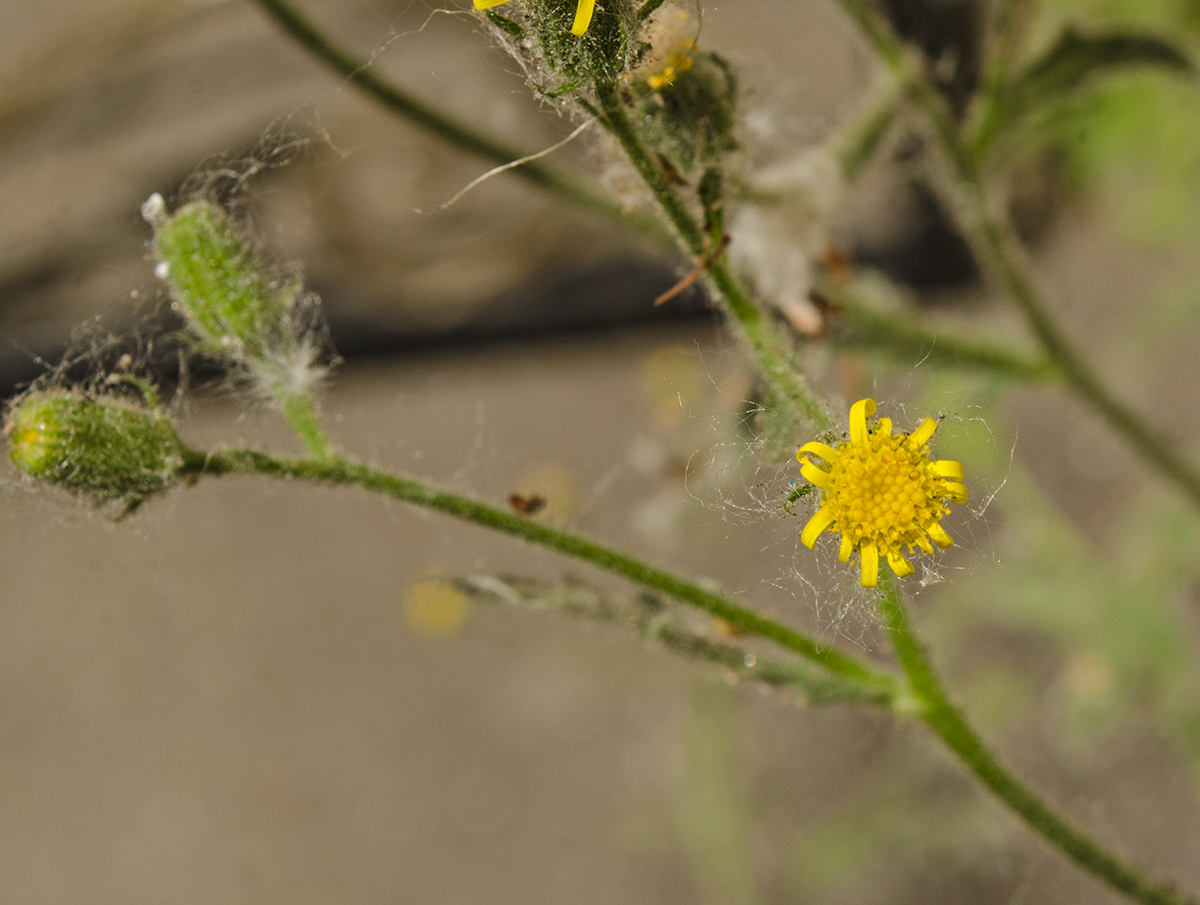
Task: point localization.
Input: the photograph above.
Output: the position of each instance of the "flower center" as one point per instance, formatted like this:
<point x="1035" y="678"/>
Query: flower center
<point x="884" y="492"/>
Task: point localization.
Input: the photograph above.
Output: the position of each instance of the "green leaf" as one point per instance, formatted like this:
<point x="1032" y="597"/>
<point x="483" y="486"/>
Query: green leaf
<point x="506" y="24"/>
<point x="1070" y="63"/>
<point x="1075" y="58"/>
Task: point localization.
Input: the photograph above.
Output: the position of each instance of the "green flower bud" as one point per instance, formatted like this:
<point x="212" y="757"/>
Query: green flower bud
<point x="214" y="279"/>
<point x="102" y="448"/>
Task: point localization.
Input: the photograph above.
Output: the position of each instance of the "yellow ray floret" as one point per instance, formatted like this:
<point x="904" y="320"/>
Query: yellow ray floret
<point x="583" y="13"/>
<point x="881" y="491"/>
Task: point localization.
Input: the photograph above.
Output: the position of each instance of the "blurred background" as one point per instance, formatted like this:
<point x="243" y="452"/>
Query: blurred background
<point x="263" y="693"/>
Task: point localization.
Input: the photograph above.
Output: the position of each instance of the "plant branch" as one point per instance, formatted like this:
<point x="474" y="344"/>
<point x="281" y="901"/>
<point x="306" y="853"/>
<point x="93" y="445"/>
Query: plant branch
<point x="334" y="470"/>
<point x="360" y="73"/>
<point x="951" y="727"/>
<point x="655" y="621"/>
<point x="997" y="251"/>
<point x="786" y="382"/>
<point x="994" y="243"/>
<point x="299" y="410"/>
<point x="858" y="140"/>
<point x="855" y="323"/>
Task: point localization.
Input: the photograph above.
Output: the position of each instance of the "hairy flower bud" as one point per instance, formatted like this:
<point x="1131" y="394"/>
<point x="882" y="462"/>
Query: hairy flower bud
<point x="103" y="448"/>
<point x="215" y="282"/>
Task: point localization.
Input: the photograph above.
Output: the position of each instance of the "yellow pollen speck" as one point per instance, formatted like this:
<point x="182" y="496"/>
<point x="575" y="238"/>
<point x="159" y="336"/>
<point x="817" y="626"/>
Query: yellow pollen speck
<point x="882" y="492"/>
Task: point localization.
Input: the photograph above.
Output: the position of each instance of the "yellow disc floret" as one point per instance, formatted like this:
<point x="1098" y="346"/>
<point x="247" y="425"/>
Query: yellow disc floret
<point x="882" y="492"/>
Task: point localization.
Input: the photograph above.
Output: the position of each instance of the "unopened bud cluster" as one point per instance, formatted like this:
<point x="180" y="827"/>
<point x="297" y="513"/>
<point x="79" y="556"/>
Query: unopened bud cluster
<point x="108" y="448"/>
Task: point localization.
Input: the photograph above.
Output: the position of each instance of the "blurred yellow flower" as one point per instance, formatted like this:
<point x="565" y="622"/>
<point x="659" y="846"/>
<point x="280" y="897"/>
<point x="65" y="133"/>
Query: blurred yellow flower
<point x="435" y="607"/>
<point x="583" y="13"/>
<point x="882" y="492"/>
<point x="678" y="62"/>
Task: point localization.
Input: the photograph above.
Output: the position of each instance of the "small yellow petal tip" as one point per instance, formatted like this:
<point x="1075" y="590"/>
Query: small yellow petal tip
<point x="870" y="565"/>
<point x="901" y="566"/>
<point x="859" y="413"/>
<point x="921" y="435"/>
<point x="583" y="17"/>
<point x="821" y="520"/>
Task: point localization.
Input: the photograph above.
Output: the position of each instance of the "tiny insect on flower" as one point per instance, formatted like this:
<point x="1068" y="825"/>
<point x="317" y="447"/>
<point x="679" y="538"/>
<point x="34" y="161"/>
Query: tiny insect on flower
<point x="882" y="492"/>
<point x="583" y="13"/>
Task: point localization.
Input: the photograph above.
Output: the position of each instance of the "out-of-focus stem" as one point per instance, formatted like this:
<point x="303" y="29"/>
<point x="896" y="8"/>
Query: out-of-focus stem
<point x="855" y="323"/>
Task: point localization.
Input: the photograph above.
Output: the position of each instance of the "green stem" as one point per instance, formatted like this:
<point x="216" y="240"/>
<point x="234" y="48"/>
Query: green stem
<point x="299" y="410"/>
<point x="334" y="470"/>
<point x="858" y="141"/>
<point x="1002" y="48"/>
<point x="997" y="251"/>
<point x="787" y="385"/>
<point x="952" y="728"/>
<point x="813" y="687"/>
<point x="996" y="247"/>
<point x="861" y="325"/>
<point x="362" y="75"/>
<point x="614" y="118"/>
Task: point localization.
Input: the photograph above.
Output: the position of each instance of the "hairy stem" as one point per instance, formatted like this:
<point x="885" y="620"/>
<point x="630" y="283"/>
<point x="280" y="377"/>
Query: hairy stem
<point x="360" y="73"/>
<point x="952" y="728"/>
<point x="656" y="622"/>
<point x="299" y="410"/>
<point x="334" y="470"/>
<point x="767" y="346"/>
<point x="861" y="325"/>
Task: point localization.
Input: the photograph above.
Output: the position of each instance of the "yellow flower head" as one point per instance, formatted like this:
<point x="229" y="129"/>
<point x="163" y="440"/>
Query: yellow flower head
<point x="882" y="492"/>
<point x="583" y="13"/>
